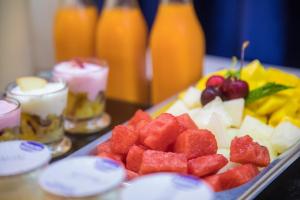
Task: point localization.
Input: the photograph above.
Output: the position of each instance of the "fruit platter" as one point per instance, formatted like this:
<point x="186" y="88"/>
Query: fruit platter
<point x="236" y="129"/>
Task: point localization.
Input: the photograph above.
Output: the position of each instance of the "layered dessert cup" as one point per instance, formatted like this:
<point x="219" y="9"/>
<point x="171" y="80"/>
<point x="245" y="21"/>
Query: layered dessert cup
<point x="10" y="115"/>
<point x="84" y="113"/>
<point x="42" y="106"/>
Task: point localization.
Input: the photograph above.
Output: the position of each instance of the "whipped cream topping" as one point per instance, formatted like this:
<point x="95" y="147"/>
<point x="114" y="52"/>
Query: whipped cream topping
<point x="91" y="79"/>
<point x="71" y="68"/>
<point x="49" y="88"/>
<point x="51" y="99"/>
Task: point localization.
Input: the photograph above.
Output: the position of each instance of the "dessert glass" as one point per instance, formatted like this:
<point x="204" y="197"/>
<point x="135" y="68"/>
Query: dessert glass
<point x="10" y="115"/>
<point x="42" y="115"/>
<point x="84" y="113"/>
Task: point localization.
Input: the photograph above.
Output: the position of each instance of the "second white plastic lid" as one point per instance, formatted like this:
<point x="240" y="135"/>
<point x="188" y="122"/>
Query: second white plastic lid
<point x="167" y="186"/>
<point x="81" y="177"/>
<point x="19" y="157"/>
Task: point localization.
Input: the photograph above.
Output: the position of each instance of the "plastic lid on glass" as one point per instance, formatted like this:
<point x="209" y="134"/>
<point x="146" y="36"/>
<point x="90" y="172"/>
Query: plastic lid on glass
<point x="167" y="186"/>
<point x="18" y="157"/>
<point x="82" y="177"/>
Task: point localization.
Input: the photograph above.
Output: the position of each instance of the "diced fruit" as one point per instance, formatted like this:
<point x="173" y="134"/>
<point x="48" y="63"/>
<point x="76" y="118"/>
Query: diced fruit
<point x="194" y="143"/>
<point x="256" y="129"/>
<point x="160" y="132"/>
<point x="131" y="175"/>
<point x="244" y="150"/>
<point x="116" y="157"/>
<point x="289" y="109"/>
<point x="178" y="108"/>
<point x="31" y="83"/>
<point x="284" y="136"/>
<point x="235" y="109"/>
<point x="214" y="182"/>
<point x="215" y="81"/>
<point x="186" y="122"/>
<point x="273" y="75"/>
<point x="158" y="161"/>
<point x="206" y="165"/>
<point x="232" y="178"/>
<point x="209" y="94"/>
<point x="123" y="137"/>
<point x="233" y="89"/>
<point x="202" y="116"/>
<point x="138" y="117"/>
<point x="191" y="97"/>
<point x="253" y="73"/>
<point x="134" y="158"/>
<point x="272" y="104"/>
<point x="218" y="128"/>
<point x="104" y="147"/>
<point x="238" y="176"/>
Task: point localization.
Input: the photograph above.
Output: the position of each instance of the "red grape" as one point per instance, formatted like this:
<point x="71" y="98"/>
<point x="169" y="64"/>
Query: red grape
<point x="209" y="94"/>
<point x="215" y="81"/>
<point x="234" y="89"/>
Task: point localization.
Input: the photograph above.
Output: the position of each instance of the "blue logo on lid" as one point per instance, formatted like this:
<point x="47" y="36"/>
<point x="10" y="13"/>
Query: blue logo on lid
<point x="31" y="146"/>
<point x="106" y="165"/>
<point x="186" y="182"/>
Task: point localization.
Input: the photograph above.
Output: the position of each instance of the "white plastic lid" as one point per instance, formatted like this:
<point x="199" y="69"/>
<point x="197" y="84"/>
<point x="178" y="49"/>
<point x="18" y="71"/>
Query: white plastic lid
<point x="167" y="186"/>
<point x="18" y="157"/>
<point x="82" y="176"/>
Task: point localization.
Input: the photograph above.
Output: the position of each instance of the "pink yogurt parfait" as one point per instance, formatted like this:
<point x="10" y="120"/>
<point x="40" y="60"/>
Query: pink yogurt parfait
<point x="87" y="81"/>
<point x="10" y="115"/>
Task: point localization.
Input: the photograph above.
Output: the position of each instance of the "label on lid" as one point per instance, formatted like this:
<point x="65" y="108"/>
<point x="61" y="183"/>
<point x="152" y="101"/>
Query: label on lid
<point x="169" y="186"/>
<point x="18" y="157"/>
<point x="82" y="176"/>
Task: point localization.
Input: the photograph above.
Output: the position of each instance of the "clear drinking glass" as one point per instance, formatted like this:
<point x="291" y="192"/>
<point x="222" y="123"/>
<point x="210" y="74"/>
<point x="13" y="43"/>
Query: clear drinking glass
<point x="42" y="115"/>
<point x="87" y="80"/>
<point x="10" y="115"/>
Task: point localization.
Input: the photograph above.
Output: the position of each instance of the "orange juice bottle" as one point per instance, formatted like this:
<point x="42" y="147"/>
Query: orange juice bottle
<point x="177" y="48"/>
<point x="121" y="39"/>
<point x="74" y="30"/>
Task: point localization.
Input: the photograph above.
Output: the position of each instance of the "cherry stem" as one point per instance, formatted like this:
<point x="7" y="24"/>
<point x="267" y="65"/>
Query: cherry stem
<point x="244" y="47"/>
<point x="78" y="62"/>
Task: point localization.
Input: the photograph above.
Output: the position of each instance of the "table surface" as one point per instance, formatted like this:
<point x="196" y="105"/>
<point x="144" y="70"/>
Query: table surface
<point x="286" y="186"/>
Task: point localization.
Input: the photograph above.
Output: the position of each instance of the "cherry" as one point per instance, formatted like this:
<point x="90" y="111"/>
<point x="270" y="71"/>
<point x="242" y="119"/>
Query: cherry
<point x="78" y="62"/>
<point x="215" y="81"/>
<point x="209" y="94"/>
<point x="233" y="88"/>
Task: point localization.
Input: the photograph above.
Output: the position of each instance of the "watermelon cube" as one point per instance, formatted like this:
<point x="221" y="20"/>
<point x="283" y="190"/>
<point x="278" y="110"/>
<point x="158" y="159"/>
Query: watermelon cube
<point x="232" y="178"/>
<point x="158" y="161"/>
<point x="186" y="122"/>
<point x="160" y="132"/>
<point x="214" y="182"/>
<point x="138" y="117"/>
<point x="134" y="158"/>
<point x="131" y="175"/>
<point x="196" y="142"/>
<point x="238" y="176"/>
<point x="104" y="147"/>
<point x="123" y="137"/>
<point x="206" y="165"/>
<point x="244" y="150"/>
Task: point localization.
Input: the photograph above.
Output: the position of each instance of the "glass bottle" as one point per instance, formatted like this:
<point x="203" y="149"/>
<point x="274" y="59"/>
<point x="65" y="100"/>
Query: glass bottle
<point x="177" y="48"/>
<point x="121" y="39"/>
<point x="74" y="29"/>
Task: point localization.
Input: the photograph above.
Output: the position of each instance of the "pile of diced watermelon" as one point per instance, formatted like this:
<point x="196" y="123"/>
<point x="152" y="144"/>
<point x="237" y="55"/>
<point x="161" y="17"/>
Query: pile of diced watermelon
<point x="175" y="144"/>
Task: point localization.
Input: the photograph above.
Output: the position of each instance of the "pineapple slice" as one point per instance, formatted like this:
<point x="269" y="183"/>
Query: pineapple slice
<point x="29" y="83"/>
